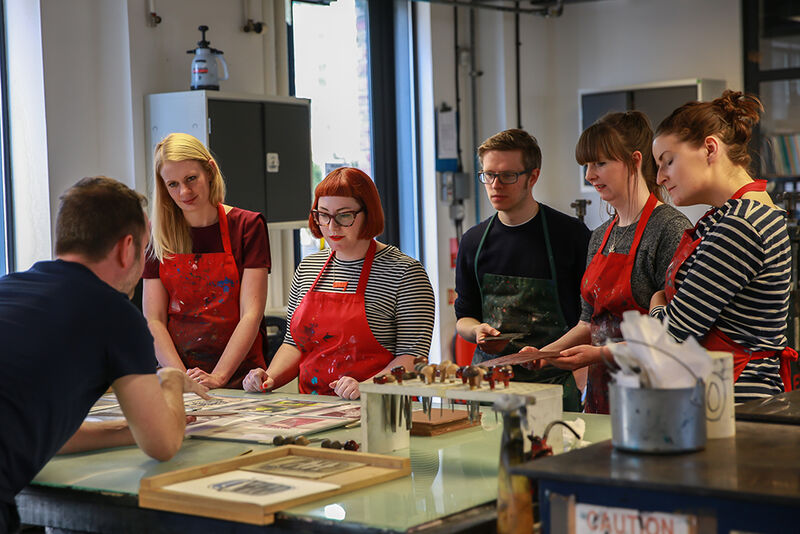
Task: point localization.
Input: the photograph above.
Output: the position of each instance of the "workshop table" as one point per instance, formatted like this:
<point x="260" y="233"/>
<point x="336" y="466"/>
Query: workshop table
<point x="750" y="482"/>
<point x="452" y="487"/>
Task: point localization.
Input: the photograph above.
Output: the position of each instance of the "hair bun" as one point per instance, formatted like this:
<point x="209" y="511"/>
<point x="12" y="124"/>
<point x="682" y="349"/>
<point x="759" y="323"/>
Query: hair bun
<point x="741" y="112"/>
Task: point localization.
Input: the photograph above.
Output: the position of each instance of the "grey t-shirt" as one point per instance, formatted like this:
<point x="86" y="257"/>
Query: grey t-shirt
<point x="659" y="241"/>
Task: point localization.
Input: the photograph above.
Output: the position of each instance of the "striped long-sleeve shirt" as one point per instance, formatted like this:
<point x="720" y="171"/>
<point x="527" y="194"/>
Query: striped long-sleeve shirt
<point x="738" y="280"/>
<point x="399" y="298"/>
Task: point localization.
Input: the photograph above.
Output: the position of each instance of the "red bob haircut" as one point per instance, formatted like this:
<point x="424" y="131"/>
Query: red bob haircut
<point x="351" y="182"/>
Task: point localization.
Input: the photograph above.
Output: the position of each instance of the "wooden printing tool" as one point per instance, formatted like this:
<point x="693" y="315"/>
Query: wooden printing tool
<point x="496" y="344"/>
<point x="519" y="357"/>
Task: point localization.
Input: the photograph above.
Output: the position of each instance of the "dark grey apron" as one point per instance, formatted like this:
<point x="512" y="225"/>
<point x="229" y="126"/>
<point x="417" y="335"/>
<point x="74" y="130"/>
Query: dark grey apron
<point x="530" y="306"/>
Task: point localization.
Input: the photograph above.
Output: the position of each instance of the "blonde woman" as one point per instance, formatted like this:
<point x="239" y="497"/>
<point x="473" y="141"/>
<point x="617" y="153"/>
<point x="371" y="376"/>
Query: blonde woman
<point x="205" y="284"/>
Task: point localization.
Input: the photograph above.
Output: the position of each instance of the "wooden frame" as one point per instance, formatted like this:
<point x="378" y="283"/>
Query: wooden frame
<point x="379" y="469"/>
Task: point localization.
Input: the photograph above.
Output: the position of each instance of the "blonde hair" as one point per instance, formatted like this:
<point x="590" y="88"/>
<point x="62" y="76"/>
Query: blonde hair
<point x="170" y="230"/>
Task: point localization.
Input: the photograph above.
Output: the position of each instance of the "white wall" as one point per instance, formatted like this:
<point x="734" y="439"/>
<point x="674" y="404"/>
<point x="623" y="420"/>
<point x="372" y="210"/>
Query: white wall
<point x="98" y="59"/>
<point x="87" y="93"/>
<point x="623" y="42"/>
<point x="29" y="155"/>
<point x="160" y="64"/>
<point x="593" y="45"/>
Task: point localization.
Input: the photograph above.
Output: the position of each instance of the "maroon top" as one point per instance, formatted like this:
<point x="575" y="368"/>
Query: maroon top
<point x="249" y="242"/>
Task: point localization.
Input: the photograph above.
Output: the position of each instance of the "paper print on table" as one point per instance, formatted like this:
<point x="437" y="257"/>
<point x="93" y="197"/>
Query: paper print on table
<point x="264" y="428"/>
<point x="244" y="486"/>
<point x="351" y="412"/>
<point x="212" y="424"/>
<point x="105" y="402"/>
<point x="303" y="466"/>
<point x="193" y="403"/>
<point x="300" y="422"/>
<point x="286" y="406"/>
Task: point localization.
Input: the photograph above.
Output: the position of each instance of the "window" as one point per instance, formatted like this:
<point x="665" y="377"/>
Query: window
<point x="342" y="57"/>
<point x="6" y="242"/>
<point x="331" y="68"/>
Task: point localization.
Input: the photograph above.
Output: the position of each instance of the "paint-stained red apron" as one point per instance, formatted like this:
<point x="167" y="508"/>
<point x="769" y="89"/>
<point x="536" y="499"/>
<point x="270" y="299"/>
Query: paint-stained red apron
<point x="203" y="306"/>
<point x="333" y="335"/>
<point x="606" y="286"/>
<point x="715" y="339"/>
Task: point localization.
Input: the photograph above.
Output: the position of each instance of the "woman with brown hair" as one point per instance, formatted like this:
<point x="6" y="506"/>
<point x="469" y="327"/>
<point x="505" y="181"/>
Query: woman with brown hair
<point x="728" y="284"/>
<point x="628" y="254"/>
<point x="356" y="310"/>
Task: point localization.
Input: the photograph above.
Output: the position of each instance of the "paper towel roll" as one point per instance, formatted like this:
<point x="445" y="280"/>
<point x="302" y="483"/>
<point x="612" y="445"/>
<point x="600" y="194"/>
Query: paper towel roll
<point x="720" y="421"/>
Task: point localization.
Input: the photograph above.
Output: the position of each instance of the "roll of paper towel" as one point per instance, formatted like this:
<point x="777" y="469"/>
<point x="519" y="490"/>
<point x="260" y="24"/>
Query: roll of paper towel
<point x="719" y="397"/>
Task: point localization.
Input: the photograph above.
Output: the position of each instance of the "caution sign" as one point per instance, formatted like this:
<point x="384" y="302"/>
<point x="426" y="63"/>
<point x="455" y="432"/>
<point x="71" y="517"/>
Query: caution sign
<point x="594" y="519"/>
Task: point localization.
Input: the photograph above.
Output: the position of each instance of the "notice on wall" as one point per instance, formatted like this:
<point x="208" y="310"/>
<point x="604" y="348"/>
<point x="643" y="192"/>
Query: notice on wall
<point x="273" y="162"/>
<point x="594" y="519"/>
<point x="446" y="135"/>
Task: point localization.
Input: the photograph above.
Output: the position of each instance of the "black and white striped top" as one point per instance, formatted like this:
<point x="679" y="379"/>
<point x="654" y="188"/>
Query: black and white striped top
<point x="738" y="279"/>
<point x="399" y="298"/>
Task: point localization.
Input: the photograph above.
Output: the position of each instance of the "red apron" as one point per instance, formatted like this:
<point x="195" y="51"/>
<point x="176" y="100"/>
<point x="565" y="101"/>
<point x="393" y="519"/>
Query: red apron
<point x="203" y="307"/>
<point x="715" y="339"/>
<point x="333" y="335"/>
<point x="606" y="286"/>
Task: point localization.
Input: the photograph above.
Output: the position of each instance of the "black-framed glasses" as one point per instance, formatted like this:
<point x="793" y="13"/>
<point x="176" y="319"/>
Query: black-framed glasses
<point x="505" y="177"/>
<point x="343" y="218"/>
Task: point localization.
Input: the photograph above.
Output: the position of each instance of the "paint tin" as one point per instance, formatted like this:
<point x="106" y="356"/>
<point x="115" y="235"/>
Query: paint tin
<point x="720" y="420"/>
<point x="659" y="421"/>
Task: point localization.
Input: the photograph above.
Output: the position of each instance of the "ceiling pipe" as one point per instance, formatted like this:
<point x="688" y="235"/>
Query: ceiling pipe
<point x="544" y="9"/>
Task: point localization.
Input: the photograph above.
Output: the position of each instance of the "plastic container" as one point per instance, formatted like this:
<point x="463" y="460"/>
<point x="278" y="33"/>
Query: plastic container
<point x="720" y="419"/>
<point x="659" y="421"/>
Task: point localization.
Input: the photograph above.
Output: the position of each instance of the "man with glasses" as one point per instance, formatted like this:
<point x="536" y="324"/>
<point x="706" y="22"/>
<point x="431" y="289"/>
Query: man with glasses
<point x="518" y="273"/>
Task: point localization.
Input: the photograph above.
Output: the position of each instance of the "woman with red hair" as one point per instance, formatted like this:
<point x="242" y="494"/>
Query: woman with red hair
<point x="356" y="310"/>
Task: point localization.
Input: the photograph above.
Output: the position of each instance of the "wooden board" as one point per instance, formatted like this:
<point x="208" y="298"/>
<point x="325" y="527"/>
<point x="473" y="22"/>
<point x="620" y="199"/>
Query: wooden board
<point x="378" y="468"/>
<point x="519" y="357"/>
<point x="438" y="424"/>
<point x="458" y="391"/>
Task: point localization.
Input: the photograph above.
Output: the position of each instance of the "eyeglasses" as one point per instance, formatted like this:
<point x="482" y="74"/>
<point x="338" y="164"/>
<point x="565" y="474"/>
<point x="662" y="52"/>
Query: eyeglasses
<point x="506" y="177"/>
<point x="343" y="218"/>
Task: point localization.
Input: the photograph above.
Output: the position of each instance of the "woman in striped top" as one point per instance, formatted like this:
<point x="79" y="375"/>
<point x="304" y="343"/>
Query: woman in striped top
<point x="355" y="311"/>
<point x="728" y="283"/>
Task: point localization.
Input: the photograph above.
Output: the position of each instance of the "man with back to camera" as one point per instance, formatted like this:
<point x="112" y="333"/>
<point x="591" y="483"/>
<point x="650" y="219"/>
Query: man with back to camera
<point x="69" y="331"/>
<point x="519" y="271"/>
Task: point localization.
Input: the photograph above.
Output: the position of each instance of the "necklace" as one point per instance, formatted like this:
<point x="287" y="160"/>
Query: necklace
<point x="621" y="235"/>
<point x="337" y="285"/>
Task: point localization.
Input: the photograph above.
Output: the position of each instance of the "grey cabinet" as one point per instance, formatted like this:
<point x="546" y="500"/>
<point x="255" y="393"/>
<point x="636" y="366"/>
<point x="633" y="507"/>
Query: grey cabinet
<point x="262" y="145"/>
<point x="655" y="100"/>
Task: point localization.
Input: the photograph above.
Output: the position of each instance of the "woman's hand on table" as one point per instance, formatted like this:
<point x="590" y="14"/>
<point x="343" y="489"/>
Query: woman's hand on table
<point x="580" y="356"/>
<point x="346" y="387"/>
<point x="258" y="381"/>
<point x="209" y="380"/>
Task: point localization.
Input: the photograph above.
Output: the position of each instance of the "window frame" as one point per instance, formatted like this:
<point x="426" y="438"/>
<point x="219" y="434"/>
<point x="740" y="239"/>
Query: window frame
<point x="7" y="256"/>
<point x="383" y="102"/>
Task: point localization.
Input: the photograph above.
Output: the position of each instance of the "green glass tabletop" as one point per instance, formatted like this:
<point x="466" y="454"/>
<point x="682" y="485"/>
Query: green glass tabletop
<point x="450" y="473"/>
